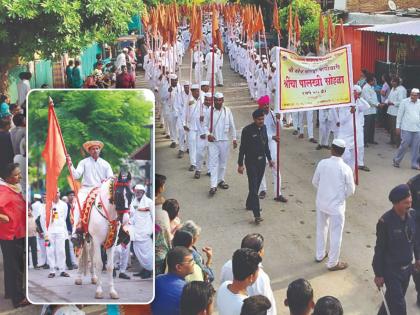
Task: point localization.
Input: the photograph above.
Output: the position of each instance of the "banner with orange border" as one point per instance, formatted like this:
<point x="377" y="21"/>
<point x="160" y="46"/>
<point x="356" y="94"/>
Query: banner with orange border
<point x="310" y="83"/>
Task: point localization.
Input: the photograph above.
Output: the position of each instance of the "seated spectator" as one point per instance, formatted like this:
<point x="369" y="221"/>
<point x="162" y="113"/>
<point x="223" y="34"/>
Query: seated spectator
<point x="197" y="298"/>
<point x="231" y="294"/>
<point x="254" y="241"/>
<point x="300" y="297"/>
<point x="168" y="287"/>
<point x="256" y="305"/>
<point x="162" y="235"/>
<point x="185" y="239"/>
<point x="124" y="79"/>
<point x="328" y="305"/>
<point x="19" y="132"/>
<point x="195" y="230"/>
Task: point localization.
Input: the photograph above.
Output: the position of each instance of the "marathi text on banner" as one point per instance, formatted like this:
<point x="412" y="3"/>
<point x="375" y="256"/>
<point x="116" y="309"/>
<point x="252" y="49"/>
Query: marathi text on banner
<point x="307" y="83"/>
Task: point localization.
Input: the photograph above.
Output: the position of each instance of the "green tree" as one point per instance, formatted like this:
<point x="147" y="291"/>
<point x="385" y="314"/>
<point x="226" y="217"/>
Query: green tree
<point x="308" y="11"/>
<point x="50" y="28"/>
<point x="114" y="117"/>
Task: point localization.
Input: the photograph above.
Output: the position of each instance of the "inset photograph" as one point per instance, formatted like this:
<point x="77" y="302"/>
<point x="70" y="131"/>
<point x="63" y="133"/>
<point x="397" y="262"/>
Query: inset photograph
<point x="91" y="220"/>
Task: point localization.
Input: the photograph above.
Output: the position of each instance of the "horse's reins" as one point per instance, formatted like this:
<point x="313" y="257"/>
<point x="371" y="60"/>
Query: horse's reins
<point x="101" y="203"/>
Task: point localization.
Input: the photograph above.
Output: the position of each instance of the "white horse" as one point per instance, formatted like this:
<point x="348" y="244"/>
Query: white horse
<point x="113" y="194"/>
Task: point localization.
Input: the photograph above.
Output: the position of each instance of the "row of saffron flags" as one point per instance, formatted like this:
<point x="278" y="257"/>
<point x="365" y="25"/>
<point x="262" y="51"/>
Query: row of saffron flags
<point x="164" y="20"/>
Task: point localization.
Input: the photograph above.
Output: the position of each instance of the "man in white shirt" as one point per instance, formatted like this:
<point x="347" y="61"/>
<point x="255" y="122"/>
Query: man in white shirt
<point x="220" y="128"/>
<point x="171" y="96"/>
<point x="198" y="64"/>
<point x="180" y="105"/>
<point x="245" y="268"/>
<point x="202" y="143"/>
<point x="408" y="126"/>
<point x="191" y="124"/>
<point x="142" y="213"/>
<point x="334" y="182"/>
<point x="121" y="60"/>
<point x="23" y="88"/>
<point x="370" y="96"/>
<point x="271" y="125"/>
<point x="396" y="95"/>
<point x="346" y="130"/>
<point x="55" y="236"/>
<point x="93" y="170"/>
<point x="37" y="208"/>
<point x="261" y="286"/>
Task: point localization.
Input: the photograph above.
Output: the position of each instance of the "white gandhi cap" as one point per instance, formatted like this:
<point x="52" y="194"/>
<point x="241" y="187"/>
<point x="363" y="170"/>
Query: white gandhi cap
<point x="218" y="95"/>
<point x="357" y="88"/>
<point x="195" y="87"/>
<point x="186" y="83"/>
<point x="139" y="187"/>
<point x="205" y="83"/>
<point x="173" y="76"/>
<point x="37" y="196"/>
<point x="415" y="91"/>
<point x="339" y="143"/>
<point x="208" y="94"/>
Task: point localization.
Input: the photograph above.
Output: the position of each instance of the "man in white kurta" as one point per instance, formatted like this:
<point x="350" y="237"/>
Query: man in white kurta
<point x="37" y="208"/>
<point x="271" y="125"/>
<point x="180" y="105"/>
<point x="142" y="217"/>
<point x="121" y="60"/>
<point x="192" y="124"/>
<point x="221" y="128"/>
<point x="335" y="183"/>
<point x="56" y="235"/>
<point x="346" y="130"/>
<point x="93" y="170"/>
<point x="198" y="65"/>
<point x="202" y="143"/>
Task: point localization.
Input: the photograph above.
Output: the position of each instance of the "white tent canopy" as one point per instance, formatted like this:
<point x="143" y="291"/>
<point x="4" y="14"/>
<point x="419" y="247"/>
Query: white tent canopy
<point x="410" y="28"/>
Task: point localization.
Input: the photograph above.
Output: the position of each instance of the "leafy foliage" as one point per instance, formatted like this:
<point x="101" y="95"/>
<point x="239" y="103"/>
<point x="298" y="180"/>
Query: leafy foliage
<point x="52" y="27"/>
<point x="308" y="11"/>
<point x="114" y="117"/>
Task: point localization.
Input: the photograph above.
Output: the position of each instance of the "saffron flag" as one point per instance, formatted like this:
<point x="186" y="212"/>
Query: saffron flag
<point x="276" y="21"/>
<point x="55" y="158"/>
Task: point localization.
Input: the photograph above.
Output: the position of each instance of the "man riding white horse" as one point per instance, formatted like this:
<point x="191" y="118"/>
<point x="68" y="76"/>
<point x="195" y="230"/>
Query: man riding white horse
<point x="94" y="171"/>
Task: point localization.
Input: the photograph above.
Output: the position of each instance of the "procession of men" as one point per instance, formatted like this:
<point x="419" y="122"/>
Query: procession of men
<point x="208" y="133"/>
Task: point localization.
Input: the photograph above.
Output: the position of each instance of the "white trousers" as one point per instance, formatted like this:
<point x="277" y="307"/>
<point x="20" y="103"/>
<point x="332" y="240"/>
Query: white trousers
<point x="124" y="257"/>
<point x="348" y="156"/>
<point x="263" y="186"/>
<point x="325" y="128"/>
<point x="197" y="73"/>
<point x="334" y="224"/>
<point x="144" y="253"/>
<point x="181" y="138"/>
<point x="309" y="123"/>
<point x="295" y="120"/>
<point x="56" y="252"/>
<point x="170" y="120"/>
<point x="219" y="76"/>
<point x="42" y="251"/>
<point x="218" y="155"/>
<point x="202" y="148"/>
<point x="192" y="145"/>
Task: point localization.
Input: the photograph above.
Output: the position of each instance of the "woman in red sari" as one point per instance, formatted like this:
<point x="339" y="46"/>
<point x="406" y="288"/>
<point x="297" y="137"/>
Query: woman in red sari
<point x="12" y="233"/>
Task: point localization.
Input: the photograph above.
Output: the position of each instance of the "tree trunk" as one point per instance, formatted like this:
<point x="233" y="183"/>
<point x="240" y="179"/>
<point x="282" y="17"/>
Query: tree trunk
<point x="4" y="75"/>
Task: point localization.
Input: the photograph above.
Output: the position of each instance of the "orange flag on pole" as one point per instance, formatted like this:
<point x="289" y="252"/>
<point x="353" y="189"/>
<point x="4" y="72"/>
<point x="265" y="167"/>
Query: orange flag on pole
<point x="55" y="158"/>
<point x="340" y="40"/>
<point x="297" y="29"/>
<point x="321" y="28"/>
<point x="290" y="25"/>
<point x="276" y="21"/>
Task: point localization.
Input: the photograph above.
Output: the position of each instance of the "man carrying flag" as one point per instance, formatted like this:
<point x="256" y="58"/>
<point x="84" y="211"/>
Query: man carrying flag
<point x="94" y="171"/>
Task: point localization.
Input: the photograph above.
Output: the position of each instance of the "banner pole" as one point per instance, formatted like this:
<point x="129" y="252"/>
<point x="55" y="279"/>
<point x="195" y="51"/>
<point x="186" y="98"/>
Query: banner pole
<point x="356" y="166"/>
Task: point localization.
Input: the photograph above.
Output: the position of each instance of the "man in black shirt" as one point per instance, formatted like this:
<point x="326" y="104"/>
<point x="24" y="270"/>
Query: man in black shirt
<point x="414" y="184"/>
<point x="254" y="148"/>
<point x="395" y="244"/>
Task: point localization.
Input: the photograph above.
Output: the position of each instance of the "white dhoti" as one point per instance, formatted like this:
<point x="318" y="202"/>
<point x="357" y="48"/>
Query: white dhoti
<point x="143" y="250"/>
<point x="56" y="252"/>
<point x="334" y="224"/>
<point x="219" y="76"/>
<point x="171" y="120"/>
<point x="218" y="155"/>
<point x="325" y="128"/>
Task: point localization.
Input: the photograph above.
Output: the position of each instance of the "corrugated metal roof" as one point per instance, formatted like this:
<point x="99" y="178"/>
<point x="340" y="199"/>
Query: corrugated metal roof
<point x="411" y="28"/>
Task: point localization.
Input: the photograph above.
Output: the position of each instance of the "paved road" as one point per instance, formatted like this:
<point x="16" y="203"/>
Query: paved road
<point x="63" y="290"/>
<point x="289" y="229"/>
